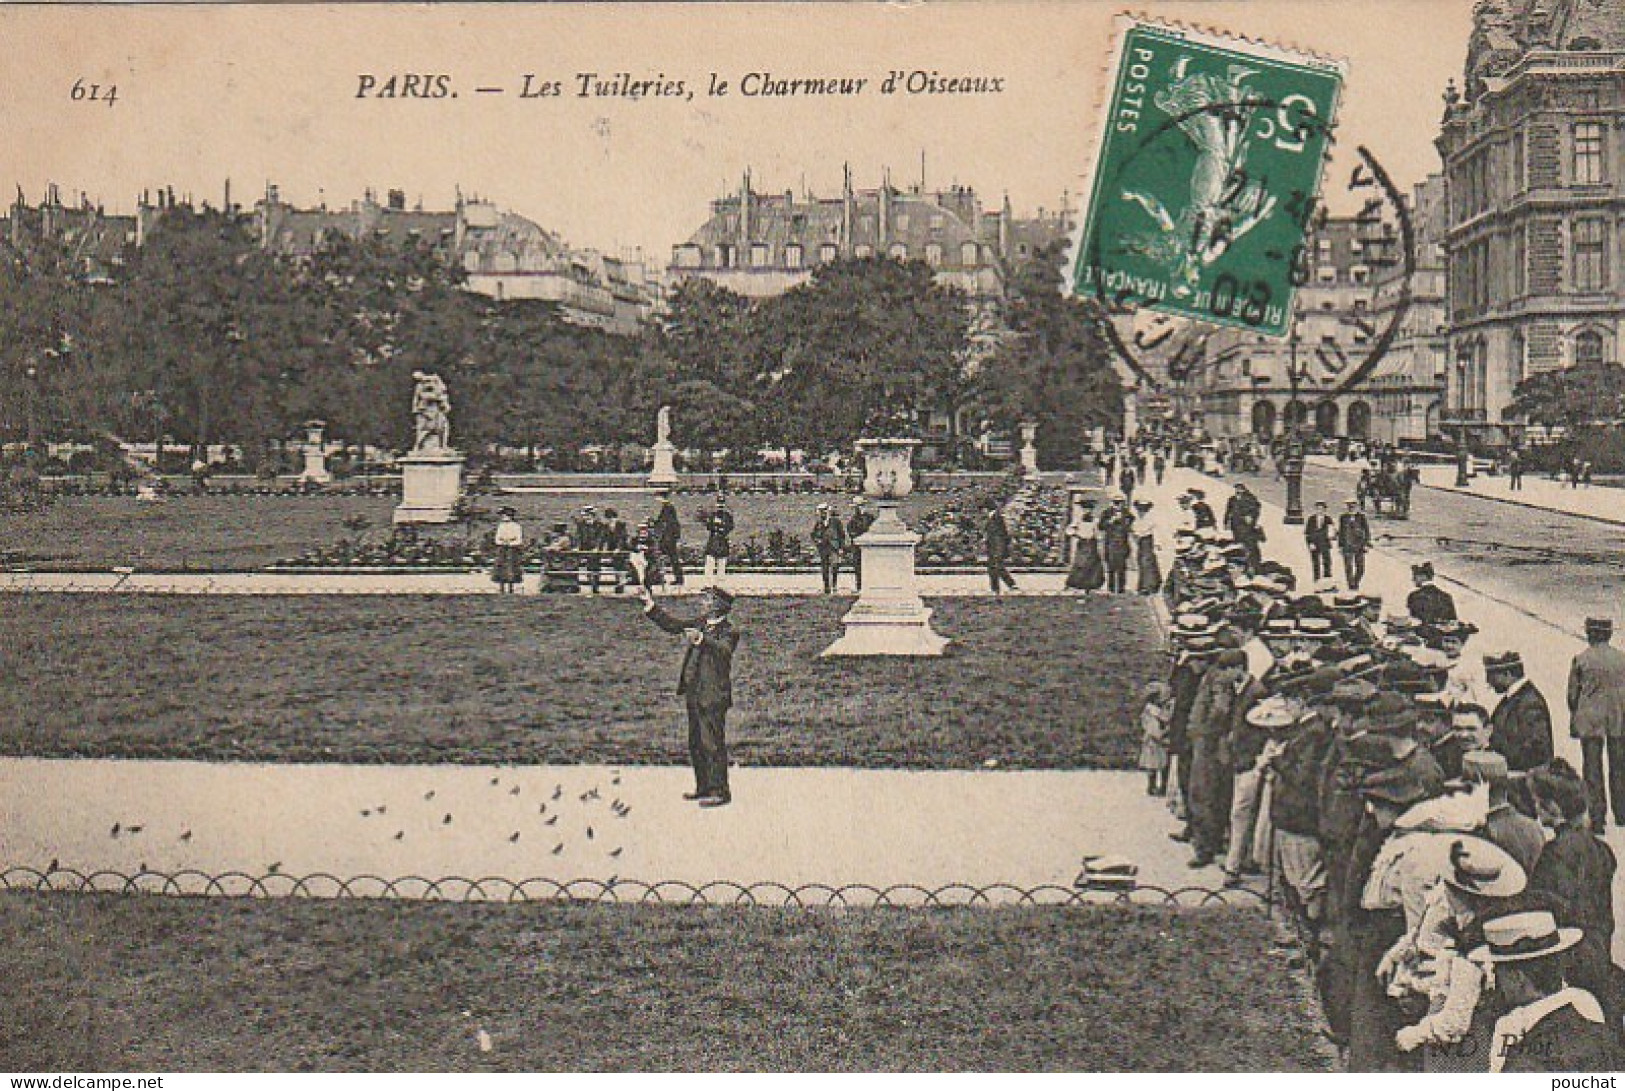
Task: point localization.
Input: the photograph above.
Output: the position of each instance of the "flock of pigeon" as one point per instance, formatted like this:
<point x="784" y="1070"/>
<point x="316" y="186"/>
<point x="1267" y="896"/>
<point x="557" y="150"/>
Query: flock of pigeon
<point x="542" y="824"/>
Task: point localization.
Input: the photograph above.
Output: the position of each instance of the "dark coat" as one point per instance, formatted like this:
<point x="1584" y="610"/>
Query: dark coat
<point x="616" y="536"/>
<point x="997" y="534"/>
<point x="1521" y="729"/>
<point x="1574" y="879"/>
<point x="706" y="677"/>
<point x="718" y="524"/>
<point x="1317" y="531"/>
<point x="668" y="531"/>
<point x="1116" y="532"/>
<point x="828" y="536"/>
<point x="1431" y="605"/>
<point x="1202" y="512"/>
<point x="1353" y="532"/>
<point x="1295" y="799"/>
<point x="1564" y="1041"/>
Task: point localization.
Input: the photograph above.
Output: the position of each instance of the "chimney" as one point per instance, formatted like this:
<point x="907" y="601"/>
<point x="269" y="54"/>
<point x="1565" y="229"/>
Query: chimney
<point x="744" y="209"/>
<point x="885" y="211"/>
<point x="846" y="209"/>
<point x="1004" y="228"/>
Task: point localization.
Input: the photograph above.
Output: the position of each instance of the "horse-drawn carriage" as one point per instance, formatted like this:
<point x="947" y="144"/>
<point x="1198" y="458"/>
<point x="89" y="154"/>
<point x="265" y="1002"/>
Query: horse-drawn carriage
<point x="1389" y="490"/>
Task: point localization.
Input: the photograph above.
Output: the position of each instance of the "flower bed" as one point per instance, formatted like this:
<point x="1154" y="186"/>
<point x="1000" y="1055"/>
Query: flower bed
<point x="951" y="537"/>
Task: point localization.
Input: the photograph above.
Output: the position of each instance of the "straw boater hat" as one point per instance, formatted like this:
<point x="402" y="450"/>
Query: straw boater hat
<point x="1480" y="867"/>
<point x="1275" y="713"/>
<point x="1518" y="937"/>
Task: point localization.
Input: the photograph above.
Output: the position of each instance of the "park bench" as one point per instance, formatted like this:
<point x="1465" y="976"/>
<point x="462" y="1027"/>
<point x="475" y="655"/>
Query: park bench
<point x="585" y="571"/>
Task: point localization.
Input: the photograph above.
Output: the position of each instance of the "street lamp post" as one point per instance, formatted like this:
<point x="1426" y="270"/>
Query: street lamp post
<point x="1463" y="455"/>
<point x="1292" y="466"/>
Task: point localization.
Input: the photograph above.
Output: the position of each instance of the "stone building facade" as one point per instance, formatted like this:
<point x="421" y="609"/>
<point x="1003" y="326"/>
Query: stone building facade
<point x="1534" y="154"/>
<point x="762" y="244"/>
<point x="1353" y="290"/>
<point x="503" y="255"/>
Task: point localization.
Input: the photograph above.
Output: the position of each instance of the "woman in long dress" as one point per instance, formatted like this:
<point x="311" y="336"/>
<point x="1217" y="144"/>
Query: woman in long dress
<point x="1087" y="573"/>
<point x="1145" y="549"/>
<point x="509" y="570"/>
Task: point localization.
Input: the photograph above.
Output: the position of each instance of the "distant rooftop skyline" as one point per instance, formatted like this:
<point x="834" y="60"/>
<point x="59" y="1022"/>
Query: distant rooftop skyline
<point x="269" y="94"/>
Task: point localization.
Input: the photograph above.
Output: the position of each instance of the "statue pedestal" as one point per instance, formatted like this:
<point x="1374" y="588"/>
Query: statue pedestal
<point x="664" y="473"/>
<point x="889" y="617"/>
<point x="431" y="484"/>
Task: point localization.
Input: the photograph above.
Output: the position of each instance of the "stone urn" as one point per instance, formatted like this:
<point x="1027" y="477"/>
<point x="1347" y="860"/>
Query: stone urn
<point x="889" y="617"/>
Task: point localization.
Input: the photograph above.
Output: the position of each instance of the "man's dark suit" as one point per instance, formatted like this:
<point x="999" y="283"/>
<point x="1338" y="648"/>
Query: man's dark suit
<point x="706" y="683"/>
<point x="1317" y="532"/>
<point x="997" y="536"/>
<point x="1431" y="605"/>
<point x="1521" y="728"/>
<point x="1202" y="513"/>
<point x="669" y="533"/>
<point x="1353" y="539"/>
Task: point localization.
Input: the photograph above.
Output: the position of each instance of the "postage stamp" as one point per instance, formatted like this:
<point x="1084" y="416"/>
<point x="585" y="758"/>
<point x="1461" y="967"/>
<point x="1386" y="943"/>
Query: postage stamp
<point x="1207" y="176"/>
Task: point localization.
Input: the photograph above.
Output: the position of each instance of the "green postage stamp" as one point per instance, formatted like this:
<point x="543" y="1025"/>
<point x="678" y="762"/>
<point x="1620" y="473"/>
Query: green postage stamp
<point x="1208" y="176"/>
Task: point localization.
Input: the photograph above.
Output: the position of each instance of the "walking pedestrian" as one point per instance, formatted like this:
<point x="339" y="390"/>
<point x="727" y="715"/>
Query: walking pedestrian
<point x="1318" y="531"/>
<point x="1086" y="572"/>
<point x="719" y="524"/>
<point x="668" y="531"/>
<point x="996" y="540"/>
<point x="1116" y="536"/>
<point x="1596" y="697"/>
<point x="1353" y="541"/>
<point x="829" y="539"/>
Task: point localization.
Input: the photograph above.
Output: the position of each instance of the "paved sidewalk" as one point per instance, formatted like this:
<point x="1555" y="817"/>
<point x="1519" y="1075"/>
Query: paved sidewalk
<point x="1604" y="503"/>
<point x="788" y="826"/>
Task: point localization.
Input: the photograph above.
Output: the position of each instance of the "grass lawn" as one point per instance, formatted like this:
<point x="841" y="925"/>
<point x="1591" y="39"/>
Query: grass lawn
<point x="1037" y="682"/>
<point x="121" y="983"/>
<point x="249" y="532"/>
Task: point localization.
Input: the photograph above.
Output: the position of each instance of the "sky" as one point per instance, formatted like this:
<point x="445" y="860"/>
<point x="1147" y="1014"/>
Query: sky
<point x="269" y="93"/>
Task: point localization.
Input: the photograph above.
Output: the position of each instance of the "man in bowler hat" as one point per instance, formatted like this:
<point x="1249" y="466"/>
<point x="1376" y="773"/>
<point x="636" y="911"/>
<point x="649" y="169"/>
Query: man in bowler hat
<point x="705" y="681"/>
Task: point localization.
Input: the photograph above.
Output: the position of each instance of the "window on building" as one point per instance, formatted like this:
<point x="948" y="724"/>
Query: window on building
<point x="1520" y="262"/>
<point x="1518" y="176"/>
<point x="792" y="256"/>
<point x="758" y="255"/>
<point x="864" y="250"/>
<point x="1588" y="153"/>
<point x="725" y="256"/>
<point x="968" y="254"/>
<point x="1590" y="252"/>
<point x="1326" y="274"/>
<point x="933" y="254"/>
<point x="1518" y="364"/>
<point x="827" y="252"/>
<point x="902" y="222"/>
<point x="1360" y="274"/>
<point x="898" y="251"/>
<point x="1588" y="347"/>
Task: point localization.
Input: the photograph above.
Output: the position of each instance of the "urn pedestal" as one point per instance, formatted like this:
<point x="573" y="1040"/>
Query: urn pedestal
<point x="315" y="470"/>
<point x="1029" y="449"/>
<point x="431" y="484"/>
<point x="664" y="472"/>
<point x="889" y="617"/>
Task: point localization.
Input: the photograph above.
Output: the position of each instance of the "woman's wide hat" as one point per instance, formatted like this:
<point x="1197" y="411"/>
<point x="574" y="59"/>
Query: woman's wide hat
<point x="1481" y="867"/>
